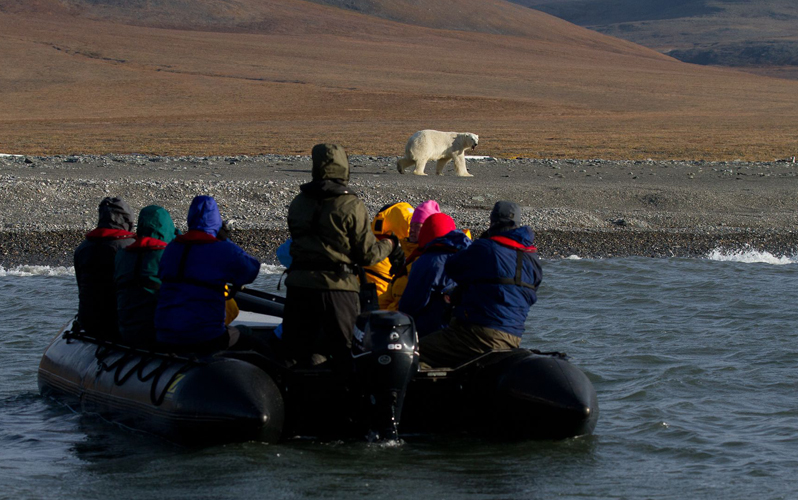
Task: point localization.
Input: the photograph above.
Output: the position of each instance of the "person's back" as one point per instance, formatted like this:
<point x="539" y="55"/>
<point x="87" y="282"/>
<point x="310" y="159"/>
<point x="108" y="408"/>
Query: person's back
<point x="194" y="270"/>
<point x="491" y="297"/>
<point x="94" y="269"/>
<point x="389" y="300"/>
<point x="423" y="298"/>
<point x="136" y="276"/>
<point x="393" y="220"/>
<point x="330" y="235"/>
<point x="497" y="278"/>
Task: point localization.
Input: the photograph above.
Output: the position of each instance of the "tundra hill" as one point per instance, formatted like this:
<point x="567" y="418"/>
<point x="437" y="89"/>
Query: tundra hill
<point x="751" y="34"/>
<point x="269" y="76"/>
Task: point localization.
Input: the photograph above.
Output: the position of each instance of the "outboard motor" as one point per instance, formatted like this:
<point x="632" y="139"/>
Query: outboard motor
<point x="386" y="358"/>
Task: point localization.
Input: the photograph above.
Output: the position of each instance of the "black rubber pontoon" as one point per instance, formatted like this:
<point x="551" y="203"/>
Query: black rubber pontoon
<point x="244" y="395"/>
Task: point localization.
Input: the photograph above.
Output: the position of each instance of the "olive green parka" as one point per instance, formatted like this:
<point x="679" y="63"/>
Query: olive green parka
<point x="330" y="228"/>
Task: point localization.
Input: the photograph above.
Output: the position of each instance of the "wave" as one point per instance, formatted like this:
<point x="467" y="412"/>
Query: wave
<point x="30" y="270"/>
<point x="751" y="257"/>
<point x="271" y="269"/>
<point x="37" y="271"/>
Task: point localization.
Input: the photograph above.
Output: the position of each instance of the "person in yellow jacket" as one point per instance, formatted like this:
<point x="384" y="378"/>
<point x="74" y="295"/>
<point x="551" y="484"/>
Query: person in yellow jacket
<point x="390" y="298"/>
<point x="391" y="220"/>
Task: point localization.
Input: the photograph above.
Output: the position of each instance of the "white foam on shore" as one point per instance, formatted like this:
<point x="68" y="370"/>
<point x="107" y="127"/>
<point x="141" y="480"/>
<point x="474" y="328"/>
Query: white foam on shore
<point x="37" y="271"/>
<point x="479" y="157"/>
<point x="573" y="257"/>
<point x="6" y="155"/>
<point x="271" y="269"/>
<point x="27" y="270"/>
<point x="751" y="257"/>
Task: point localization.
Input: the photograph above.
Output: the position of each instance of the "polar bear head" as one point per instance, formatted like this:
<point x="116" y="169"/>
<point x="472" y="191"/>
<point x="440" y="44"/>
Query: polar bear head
<point x="467" y="140"/>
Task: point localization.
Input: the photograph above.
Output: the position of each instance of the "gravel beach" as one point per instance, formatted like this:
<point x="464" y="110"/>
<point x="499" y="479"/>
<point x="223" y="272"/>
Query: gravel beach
<point x="587" y="208"/>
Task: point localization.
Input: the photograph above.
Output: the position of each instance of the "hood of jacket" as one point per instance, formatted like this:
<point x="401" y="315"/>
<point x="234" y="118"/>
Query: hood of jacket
<point x="329" y="162"/>
<point x="155" y="222"/>
<point x="523" y="235"/>
<point x="434" y="227"/>
<point x="453" y="240"/>
<point x="203" y="215"/>
<point x="114" y="213"/>
<point x="393" y="219"/>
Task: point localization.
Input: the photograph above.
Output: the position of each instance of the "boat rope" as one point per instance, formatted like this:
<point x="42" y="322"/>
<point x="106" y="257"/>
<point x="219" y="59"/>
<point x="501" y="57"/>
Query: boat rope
<point x="555" y="354"/>
<point x="107" y="349"/>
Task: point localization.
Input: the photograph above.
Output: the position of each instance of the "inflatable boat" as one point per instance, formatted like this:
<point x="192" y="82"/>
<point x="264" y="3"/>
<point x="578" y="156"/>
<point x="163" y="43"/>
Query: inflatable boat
<point x="246" y="395"/>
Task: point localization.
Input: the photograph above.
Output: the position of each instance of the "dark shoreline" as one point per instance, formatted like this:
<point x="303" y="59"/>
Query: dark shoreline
<point x="588" y="208"/>
<point x="54" y="248"/>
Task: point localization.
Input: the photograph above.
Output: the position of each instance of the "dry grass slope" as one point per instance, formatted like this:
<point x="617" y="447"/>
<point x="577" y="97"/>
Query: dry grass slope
<point x="246" y="77"/>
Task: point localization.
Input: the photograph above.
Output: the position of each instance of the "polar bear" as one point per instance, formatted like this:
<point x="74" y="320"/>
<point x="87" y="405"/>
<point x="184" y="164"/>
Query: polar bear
<point x="427" y="145"/>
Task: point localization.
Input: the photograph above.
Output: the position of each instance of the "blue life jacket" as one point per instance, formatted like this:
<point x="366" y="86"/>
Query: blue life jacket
<point x="194" y="269"/>
<point x="498" y="277"/>
<point x="423" y="297"/>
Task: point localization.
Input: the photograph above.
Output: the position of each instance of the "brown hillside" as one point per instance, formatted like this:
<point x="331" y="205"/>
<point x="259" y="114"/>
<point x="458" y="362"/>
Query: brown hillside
<point x="304" y="73"/>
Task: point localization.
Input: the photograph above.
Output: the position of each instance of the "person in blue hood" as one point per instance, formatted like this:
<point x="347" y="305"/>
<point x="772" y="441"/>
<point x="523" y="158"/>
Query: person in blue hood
<point x="195" y="267"/>
<point x="424" y="298"/>
<point x="497" y="278"/>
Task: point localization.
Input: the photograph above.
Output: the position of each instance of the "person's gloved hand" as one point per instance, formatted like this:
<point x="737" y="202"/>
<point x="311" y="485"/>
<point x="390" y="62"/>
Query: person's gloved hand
<point x="224" y="232"/>
<point x="397" y="256"/>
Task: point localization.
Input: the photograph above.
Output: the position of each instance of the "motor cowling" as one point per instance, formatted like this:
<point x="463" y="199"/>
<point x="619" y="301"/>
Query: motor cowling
<point x="385" y="350"/>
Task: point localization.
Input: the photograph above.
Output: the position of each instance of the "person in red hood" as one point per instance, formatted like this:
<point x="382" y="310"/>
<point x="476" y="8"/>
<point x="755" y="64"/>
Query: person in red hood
<point x="94" y="269"/>
<point x="424" y="297"/>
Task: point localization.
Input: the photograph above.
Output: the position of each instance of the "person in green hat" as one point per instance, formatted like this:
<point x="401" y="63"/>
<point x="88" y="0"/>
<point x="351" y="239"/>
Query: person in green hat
<point x="136" y="276"/>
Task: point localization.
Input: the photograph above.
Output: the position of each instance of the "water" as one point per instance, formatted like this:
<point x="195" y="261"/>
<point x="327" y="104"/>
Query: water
<point x="695" y="362"/>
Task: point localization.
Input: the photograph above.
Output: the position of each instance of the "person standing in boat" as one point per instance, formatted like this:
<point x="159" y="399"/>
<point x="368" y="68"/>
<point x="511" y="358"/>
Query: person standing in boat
<point x="136" y="276"/>
<point x="424" y="298"/>
<point x="330" y="235"/>
<point x="190" y="315"/>
<point x="94" y="269"/>
<point x="497" y="278"/>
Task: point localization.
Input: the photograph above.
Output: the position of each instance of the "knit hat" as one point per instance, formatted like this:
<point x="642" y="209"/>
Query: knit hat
<point x="435" y="226"/>
<point x="420" y="215"/>
<point x="505" y="213"/>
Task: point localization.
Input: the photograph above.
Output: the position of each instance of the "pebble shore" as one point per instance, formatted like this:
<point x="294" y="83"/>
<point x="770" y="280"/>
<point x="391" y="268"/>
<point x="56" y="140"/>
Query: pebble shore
<point x="588" y="208"/>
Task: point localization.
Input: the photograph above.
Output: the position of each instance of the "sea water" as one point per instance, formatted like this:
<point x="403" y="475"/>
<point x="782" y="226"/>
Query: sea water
<point x="695" y="362"/>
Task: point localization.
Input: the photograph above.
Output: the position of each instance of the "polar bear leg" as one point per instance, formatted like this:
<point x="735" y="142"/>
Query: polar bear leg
<point x="440" y="166"/>
<point x="421" y="163"/>
<point x="403" y="163"/>
<point x="460" y="166"/>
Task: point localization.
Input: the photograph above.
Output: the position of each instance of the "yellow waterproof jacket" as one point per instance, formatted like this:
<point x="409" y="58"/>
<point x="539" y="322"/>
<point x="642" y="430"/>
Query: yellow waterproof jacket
<point x="390" y="298"/>
<point x="393" y="219"/>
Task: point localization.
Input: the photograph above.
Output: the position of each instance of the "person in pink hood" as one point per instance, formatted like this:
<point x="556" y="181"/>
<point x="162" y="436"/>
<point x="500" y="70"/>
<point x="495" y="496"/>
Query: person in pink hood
<point x="390" y="298"/>
<point x="421" y="213"/>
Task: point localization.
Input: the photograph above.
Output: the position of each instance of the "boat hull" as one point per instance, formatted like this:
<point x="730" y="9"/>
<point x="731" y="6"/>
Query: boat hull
<point x="234" y="396"/>
<point x="185" y="400"/>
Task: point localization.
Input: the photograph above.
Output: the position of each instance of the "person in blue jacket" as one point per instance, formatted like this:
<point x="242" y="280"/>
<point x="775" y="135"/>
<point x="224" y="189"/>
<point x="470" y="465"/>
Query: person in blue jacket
<point x="424" y="297"/>
<point x="497" y="278"/>
<point x="195" y="267"/>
